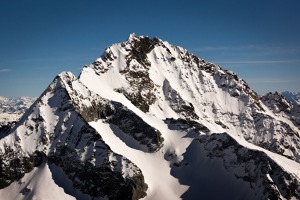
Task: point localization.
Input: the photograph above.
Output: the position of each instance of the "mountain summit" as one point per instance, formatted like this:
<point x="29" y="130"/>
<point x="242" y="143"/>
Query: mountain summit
<point x="150" y="120"/>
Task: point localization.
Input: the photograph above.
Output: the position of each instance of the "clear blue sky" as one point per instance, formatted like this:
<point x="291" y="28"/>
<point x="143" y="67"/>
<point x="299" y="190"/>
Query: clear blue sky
<point x="257" y="39"/>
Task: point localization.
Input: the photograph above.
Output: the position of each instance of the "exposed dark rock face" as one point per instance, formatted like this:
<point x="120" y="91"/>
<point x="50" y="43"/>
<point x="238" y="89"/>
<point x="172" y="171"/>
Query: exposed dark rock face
<point x="229" y="81"/>
<point x="226" y="80"/>
<point x="126" y="120"/>
<point x="133" y="125"/>
<point x="276" y="102"/>
<point x="97" y="176"/>
<point x="183" y="124"/>
<point x="138" y="99"/>
<point x="267" y="180"/>
<point x="6" y="128"/>
<point x="141" y="94"/>
<point x="115" y="113"/>
<point x="290" y="138"/>
<point x="256" y="165"/>
<point x="177" y="104"/>
<point x="279" y="141"/>
<point x="280" y="105"/>
<point x="141" y="47"/>
<point x="295" y="115"/>
<point x="14" y="164"/>
<point x="221" y="124"/>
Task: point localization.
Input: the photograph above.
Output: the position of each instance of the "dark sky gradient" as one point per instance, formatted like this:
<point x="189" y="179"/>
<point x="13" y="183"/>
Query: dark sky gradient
<point x="259" y="40"/>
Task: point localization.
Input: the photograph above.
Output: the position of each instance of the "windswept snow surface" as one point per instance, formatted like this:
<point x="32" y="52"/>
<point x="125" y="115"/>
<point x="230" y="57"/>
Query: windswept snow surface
<point x="155" y="168"/>
<point x="38" y="184"/>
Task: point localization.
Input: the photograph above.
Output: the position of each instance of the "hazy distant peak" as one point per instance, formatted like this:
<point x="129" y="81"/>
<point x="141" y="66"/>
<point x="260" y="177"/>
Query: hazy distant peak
<point x="292" y="96"/>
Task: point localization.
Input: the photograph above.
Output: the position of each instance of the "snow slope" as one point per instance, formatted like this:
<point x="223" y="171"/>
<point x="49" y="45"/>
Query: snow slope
<point x="37" y="184"/>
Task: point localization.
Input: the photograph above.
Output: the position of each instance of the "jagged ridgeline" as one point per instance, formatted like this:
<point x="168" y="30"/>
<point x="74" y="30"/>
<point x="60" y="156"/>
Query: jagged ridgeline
<point x="151" y="120"/>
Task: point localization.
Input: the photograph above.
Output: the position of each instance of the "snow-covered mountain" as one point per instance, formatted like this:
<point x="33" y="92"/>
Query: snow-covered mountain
<point x="11" y="109"/>
<point x="15" y="105"/>
<point x="293" y="97"/>
<point x="150" y="120"/>
<point x="283" y="106"/>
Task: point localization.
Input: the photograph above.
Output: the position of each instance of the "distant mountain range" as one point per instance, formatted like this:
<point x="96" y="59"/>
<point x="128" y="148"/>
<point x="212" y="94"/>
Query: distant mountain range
<point x="293" y="97"/>
<point x="11" y="109"/>
<point x="151" y="120"/>
<point x="15" y="105"/>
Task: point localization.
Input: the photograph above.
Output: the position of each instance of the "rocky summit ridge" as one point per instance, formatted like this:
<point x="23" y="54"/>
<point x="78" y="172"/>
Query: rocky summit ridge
<point x="150" y="120"/>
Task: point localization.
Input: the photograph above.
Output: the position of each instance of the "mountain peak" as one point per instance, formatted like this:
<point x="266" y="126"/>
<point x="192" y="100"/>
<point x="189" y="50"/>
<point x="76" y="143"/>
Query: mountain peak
<point x="145" y="62"/>
<point x="131" y="37"/>
<point x="66" y="74"/>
